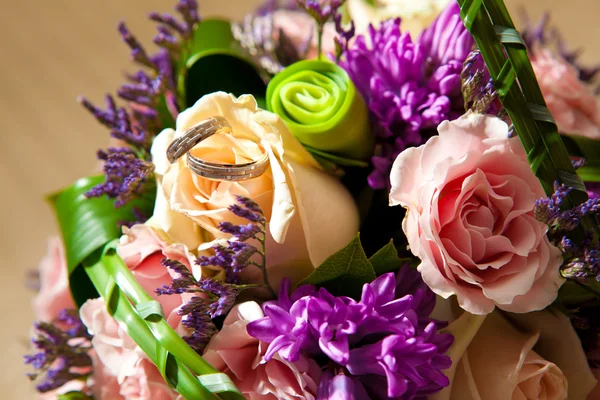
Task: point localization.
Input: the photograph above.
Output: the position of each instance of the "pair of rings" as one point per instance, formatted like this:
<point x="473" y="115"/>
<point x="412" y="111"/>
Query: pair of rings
<point x="222" y="172"/>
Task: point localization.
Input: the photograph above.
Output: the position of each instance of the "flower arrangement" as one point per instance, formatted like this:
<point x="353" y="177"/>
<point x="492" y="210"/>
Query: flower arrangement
<point x="333" y="200"/>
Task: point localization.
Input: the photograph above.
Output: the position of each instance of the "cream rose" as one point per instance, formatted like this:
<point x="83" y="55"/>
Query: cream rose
<point x="416" y="14"/>
<point x="515" y="356"/>
<point x="311" y="215"/>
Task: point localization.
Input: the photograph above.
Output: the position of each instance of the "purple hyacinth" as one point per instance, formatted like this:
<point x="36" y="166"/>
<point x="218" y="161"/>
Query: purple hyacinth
<point x="62" y="352"/>
<point x="410" y="87"/>
<point x="386" y="339"/>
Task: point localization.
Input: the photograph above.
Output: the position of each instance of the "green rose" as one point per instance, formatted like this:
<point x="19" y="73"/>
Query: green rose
<point x="321" y="106"/>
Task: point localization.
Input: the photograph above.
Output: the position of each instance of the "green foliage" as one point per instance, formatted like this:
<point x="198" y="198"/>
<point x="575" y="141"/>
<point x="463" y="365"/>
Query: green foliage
<point x="345" y="272"/>
<point x="387" y="260"/>
<point x="74" y="396"/>
<point x="142" y="319"/>
<point x="215" y="63"/>
<point x="86" y="225"/>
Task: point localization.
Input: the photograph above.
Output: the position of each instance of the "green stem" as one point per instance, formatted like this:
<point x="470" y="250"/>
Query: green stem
<point x="263" y="268"/>
<point x="319" y="39"/>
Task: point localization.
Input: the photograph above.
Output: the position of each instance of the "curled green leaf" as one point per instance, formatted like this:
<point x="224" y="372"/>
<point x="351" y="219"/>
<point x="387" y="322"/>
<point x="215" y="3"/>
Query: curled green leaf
<point x="321" y="106"/>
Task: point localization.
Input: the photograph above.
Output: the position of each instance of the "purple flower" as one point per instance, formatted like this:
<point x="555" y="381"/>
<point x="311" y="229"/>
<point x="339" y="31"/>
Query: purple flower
<point x="341" y="387"/>
<point x="128" y="170"/>
<point x="62" y="352"/>
<point x="387" y="334"/>
<point x="409" y="87"/>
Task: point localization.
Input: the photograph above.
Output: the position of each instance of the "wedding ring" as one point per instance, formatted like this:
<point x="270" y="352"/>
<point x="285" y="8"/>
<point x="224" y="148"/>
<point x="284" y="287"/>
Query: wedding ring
<point x="197" y="133"/>
<point x="223" y="172"/>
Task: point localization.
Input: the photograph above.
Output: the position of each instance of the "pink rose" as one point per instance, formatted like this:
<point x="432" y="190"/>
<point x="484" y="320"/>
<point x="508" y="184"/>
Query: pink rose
<point x="54" y="294"/>
<point x="238" y="354"/>
<point x="470" y="195"/>
<point x="121" y="371"/>
<point x="573" y="104"/>
<point x="142" y="249"/>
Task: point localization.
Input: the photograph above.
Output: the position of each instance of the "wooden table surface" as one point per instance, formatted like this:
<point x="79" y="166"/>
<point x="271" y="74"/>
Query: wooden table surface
<point x="53" y="51"/>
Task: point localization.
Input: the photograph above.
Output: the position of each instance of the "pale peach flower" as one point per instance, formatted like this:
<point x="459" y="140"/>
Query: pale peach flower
<point x="310" y="214"/>
<point x="575" y="108"/>
<point x="240" y="356"/>
<point x="535" y="356"/>
<point x="470" y="195"/>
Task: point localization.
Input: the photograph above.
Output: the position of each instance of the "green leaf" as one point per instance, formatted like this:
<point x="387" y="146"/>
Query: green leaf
<point x="590" y="172"/>
<point x="589" y="148"/>
<point x="74" y="396"/>
<point x="87" y="224"/>
<point x="387" y="260"/>
<point x="216" y="63"/>
<point x="345" y="272"/>
<point x="179" y="365"/>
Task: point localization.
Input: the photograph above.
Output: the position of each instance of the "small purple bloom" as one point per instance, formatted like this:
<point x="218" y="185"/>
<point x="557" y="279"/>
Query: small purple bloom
<point x="62" y="352"/>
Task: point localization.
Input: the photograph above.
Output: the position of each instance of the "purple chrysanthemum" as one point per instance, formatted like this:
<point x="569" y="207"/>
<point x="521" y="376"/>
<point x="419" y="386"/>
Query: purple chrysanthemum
<point x="386" y="337"/>
<point x="410" y="87"/>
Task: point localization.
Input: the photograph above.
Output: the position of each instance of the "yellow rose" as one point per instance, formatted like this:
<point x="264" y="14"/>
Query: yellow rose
<point x="416" y="14"/>
<point x="311" y="215"/>
<point x="505" y="356"/>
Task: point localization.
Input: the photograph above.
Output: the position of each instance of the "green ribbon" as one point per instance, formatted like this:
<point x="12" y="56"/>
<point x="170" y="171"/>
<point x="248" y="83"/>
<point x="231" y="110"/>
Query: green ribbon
<point x="321" y="106"/>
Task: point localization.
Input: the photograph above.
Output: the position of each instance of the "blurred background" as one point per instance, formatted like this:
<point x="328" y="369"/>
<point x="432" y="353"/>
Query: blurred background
<point x="50" y="53"/>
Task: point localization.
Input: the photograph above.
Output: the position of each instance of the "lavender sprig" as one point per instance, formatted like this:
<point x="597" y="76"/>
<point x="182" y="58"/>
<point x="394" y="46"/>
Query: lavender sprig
<point x="126" y="176"/>
<point x="581" y="259"/>
<point x="321" y="11"/>
<point x="238" y="254"/>
<point x="342" y="41"/>
<point x="62" y="352"/>
<point x="211" y="299"/>
<point x="128" y="171"/>
<point x="542" y="34"/>
<point x="477" y="86"/>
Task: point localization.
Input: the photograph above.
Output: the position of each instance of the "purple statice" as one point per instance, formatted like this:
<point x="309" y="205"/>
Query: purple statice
<point x="210" y="299"/>
<point x="384" y="345"/>
<point x="410" y="87"/>
<point x="62" y="352"/>
<point x="540" y="35"/>
<point x="344" y="36"/>
<point x="240" y="253"/>
<point x="126" y="176"/>
<point x="270" y="47"/>
<point x="478" y="89"/>
<point x="582" y="259"/>
<point x="146" y="93"/>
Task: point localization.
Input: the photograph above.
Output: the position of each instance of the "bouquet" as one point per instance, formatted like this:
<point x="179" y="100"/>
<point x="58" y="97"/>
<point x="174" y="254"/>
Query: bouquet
<point x="218" y="255"/>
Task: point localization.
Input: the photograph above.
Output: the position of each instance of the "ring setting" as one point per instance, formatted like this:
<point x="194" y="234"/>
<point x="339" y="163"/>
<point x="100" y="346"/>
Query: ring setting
<point x="215" y="171"/>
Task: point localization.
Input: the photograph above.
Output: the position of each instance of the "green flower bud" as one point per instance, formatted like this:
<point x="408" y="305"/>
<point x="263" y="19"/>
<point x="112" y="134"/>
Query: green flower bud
<point x="321" y="106"/>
